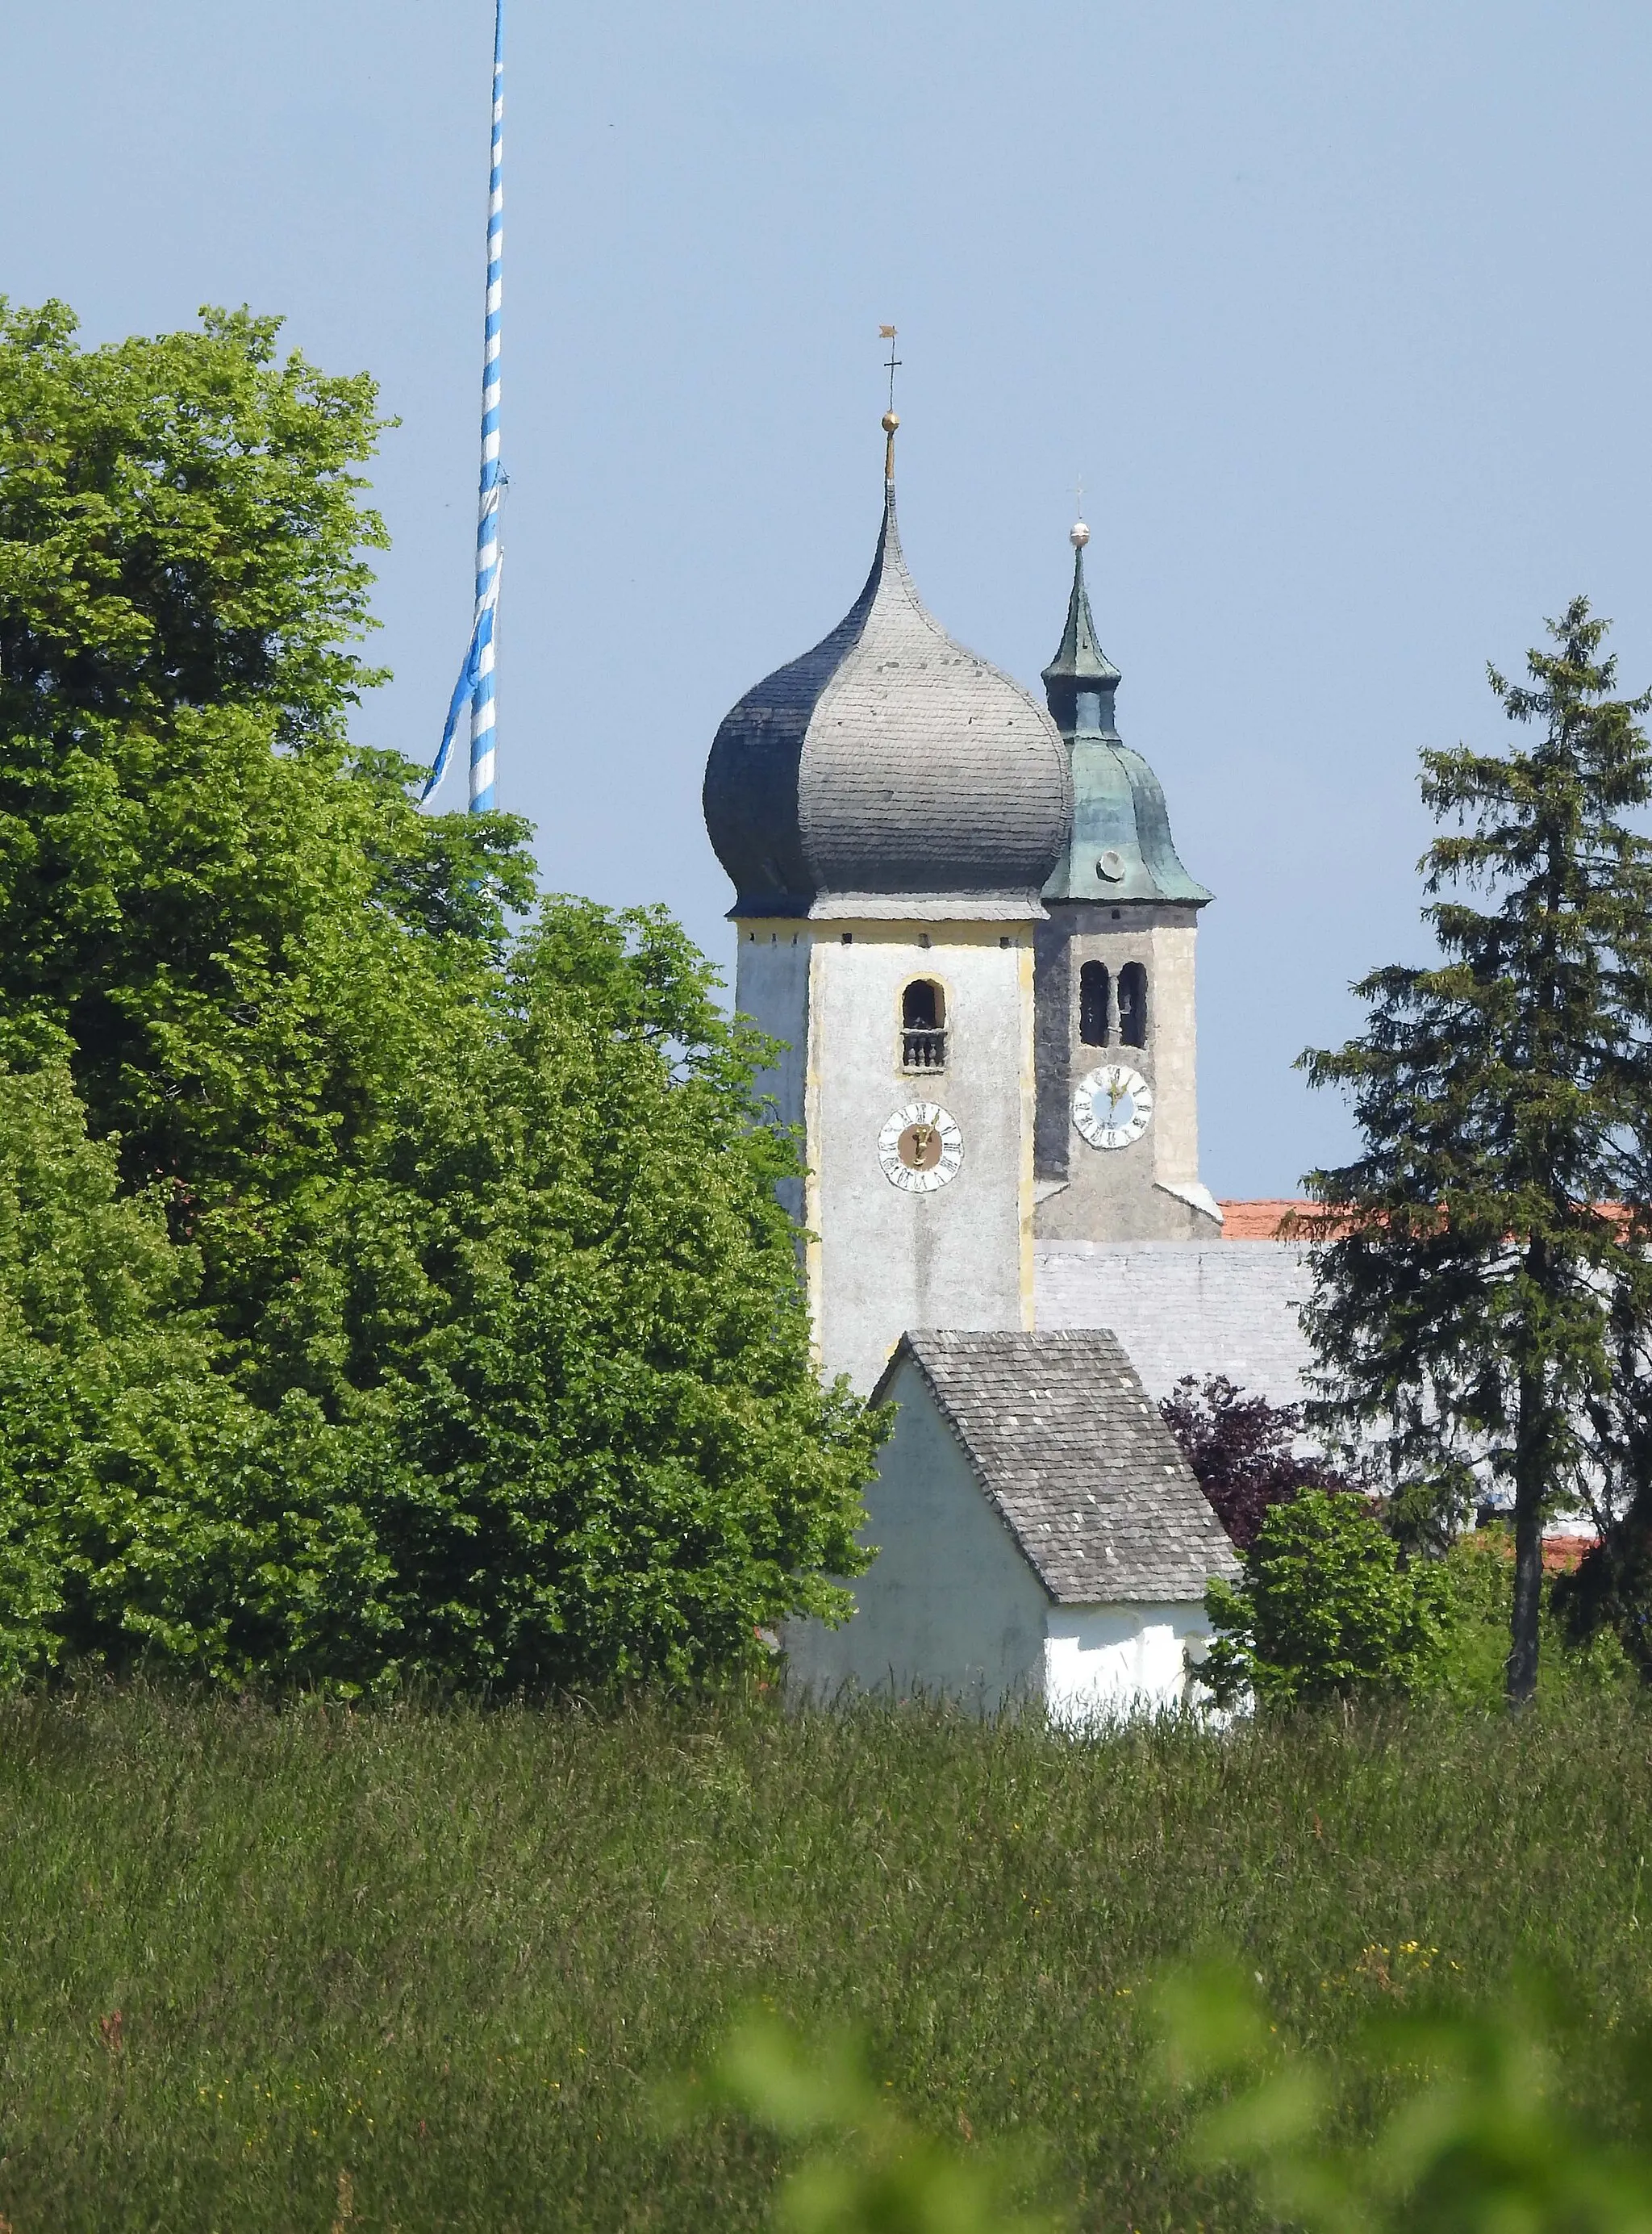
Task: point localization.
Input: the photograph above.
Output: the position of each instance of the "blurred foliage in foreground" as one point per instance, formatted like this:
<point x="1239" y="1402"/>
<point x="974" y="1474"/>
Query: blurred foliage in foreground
<point x="868" y="2169"/>
<point x="1473" y="2137"/>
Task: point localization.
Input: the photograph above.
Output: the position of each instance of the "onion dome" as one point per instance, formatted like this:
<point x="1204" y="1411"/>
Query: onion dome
<point x="1120" y="848"/>
<point x="888" y="771"/>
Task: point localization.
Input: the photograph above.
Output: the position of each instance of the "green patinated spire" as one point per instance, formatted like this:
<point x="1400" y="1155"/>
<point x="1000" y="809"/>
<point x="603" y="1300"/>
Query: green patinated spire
<point x="1121" y="848"/>
<point x="1079" y="667"/>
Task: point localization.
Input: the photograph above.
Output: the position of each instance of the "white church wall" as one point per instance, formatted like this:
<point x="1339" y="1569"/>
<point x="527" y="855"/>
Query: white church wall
<point x="1225" y="1307"/>
<point x="1103" y="1662"/>
<point x="887" y="1260"/>
<point x="949" y="1604"/>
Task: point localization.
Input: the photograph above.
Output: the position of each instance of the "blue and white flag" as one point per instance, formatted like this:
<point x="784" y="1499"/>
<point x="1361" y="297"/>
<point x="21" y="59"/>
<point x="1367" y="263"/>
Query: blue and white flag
<point x="470" y="675"/>
<point x="474" y="688"/>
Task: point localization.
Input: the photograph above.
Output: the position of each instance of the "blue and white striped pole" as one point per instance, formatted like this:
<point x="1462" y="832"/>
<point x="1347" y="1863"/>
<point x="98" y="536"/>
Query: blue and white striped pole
<point x="475" y="685"/>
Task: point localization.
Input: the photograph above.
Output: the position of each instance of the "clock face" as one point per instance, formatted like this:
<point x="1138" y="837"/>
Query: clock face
<point x="920" y="1149"/>
<point x="1113" y="1106"/>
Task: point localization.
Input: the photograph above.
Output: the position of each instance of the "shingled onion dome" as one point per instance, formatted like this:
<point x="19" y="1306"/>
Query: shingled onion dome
<point x="1120" y="848"/>
<point x="888" y="771"/>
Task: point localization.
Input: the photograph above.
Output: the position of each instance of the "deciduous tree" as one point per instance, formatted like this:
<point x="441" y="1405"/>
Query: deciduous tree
<point x="465" y="1339"/>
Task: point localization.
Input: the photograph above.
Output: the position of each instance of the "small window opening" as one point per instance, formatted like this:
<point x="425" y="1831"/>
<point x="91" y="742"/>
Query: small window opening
<point x="1093" y="1004"/>
<point x="923" y="1018"/>
<point x="1133" y="1005"/>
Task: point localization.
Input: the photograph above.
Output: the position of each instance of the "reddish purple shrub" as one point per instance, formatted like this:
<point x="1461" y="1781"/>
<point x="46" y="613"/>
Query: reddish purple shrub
<point x="1243" y="1450"/>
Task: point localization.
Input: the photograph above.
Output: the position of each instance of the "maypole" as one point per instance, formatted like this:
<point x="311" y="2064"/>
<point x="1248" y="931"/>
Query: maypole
<point x="474" y="688"/>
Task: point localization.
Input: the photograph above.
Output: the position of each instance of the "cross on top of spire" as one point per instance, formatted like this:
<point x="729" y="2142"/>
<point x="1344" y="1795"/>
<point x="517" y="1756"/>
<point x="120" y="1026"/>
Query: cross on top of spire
<point x="892" y="363"/>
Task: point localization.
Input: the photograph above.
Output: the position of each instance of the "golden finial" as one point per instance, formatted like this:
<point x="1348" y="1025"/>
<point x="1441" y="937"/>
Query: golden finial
<point x="889" y="420"/>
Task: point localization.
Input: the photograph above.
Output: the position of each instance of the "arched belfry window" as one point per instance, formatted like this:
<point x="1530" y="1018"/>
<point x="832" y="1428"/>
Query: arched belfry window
<point x="1133" y="1005"/>
<point x="923" y="1026"/>
<point x="1093" y="1004"/>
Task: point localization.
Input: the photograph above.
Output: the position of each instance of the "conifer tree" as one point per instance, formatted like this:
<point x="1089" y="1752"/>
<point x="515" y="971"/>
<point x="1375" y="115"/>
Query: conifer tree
<point x="1478" y="1260"/>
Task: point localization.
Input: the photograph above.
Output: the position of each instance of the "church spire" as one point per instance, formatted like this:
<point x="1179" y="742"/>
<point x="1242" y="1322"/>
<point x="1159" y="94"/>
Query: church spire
<point x="1080" y="681"/>
<point x="1120" y="848"/>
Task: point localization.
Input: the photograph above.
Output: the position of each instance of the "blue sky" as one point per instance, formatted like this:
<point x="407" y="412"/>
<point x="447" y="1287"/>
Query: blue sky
<point x="1340" y="312"/>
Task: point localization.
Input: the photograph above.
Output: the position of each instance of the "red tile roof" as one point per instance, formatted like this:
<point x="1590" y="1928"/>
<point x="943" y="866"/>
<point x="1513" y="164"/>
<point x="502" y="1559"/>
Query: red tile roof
<point x="1258" y="1221"/>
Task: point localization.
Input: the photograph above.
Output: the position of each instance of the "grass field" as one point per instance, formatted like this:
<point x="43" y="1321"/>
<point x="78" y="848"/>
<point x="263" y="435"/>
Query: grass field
<point x="450" y="1954"/>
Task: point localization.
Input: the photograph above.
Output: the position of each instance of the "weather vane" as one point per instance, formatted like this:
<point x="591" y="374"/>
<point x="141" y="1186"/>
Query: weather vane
<point x="887" y="334"/>
<point x="892" y="363"/>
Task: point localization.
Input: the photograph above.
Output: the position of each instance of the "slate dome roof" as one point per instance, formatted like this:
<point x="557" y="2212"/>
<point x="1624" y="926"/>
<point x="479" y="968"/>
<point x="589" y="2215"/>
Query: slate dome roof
<point x="888" y="765"/>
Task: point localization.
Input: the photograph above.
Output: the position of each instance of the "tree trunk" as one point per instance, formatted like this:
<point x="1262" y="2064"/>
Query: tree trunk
<point x="1531" y="1480"/>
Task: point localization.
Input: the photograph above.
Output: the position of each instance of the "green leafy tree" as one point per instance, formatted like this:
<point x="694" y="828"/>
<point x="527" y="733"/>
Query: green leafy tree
<point x="240" y="924"/>
<point x="1325" y="1610"/>
<point x="1471" y="1260"/>
<point x="148" y="1511"/>
<point x="561" y="1293"/>
<point x="495" y="1362"/>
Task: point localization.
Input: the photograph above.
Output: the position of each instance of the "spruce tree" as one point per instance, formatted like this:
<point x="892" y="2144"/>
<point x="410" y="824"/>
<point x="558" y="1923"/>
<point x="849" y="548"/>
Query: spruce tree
<point x="1478" y="1260"/>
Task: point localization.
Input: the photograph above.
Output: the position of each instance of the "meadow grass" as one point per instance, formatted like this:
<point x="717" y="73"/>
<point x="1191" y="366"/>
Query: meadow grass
<point x="452" y="1954"/>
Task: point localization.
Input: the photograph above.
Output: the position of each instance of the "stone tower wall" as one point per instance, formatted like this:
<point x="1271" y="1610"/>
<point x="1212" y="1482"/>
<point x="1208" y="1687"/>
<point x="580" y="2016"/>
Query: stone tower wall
<point x="1119" y="1194"/>
<point x="881" y="1260"/>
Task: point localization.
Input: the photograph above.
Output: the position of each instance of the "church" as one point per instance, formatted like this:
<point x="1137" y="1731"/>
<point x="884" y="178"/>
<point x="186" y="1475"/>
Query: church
<point x="961" y="911"/>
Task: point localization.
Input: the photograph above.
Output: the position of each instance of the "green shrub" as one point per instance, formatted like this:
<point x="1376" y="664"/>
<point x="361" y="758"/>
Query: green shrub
<point x="1480" y="1569"/>
<point x="1325" y="1610"/>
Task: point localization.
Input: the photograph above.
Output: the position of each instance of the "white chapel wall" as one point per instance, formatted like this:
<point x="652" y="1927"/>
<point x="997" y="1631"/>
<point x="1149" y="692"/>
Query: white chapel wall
<point x="949" y="1604"/>
<point x="1105" y="1662"/>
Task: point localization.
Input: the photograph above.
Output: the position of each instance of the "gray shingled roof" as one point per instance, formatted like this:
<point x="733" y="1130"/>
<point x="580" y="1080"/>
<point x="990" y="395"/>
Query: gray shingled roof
<point x="1069" y="1448"/>
<point x="887" y="760"/>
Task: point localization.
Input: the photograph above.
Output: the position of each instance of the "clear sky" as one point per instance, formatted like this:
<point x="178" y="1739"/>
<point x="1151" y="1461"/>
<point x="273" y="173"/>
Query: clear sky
<point x="1340" y="312"/>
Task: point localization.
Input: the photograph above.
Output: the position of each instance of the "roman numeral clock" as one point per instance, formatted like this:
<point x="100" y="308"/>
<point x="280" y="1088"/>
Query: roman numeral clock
<point x="1113" y="1106"/>
<point x="921" y="1148"/>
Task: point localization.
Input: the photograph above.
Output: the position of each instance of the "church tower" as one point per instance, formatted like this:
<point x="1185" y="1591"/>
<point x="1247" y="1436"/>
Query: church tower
<point x="1117" y="1148"/>
<point x="888" y="808"/>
